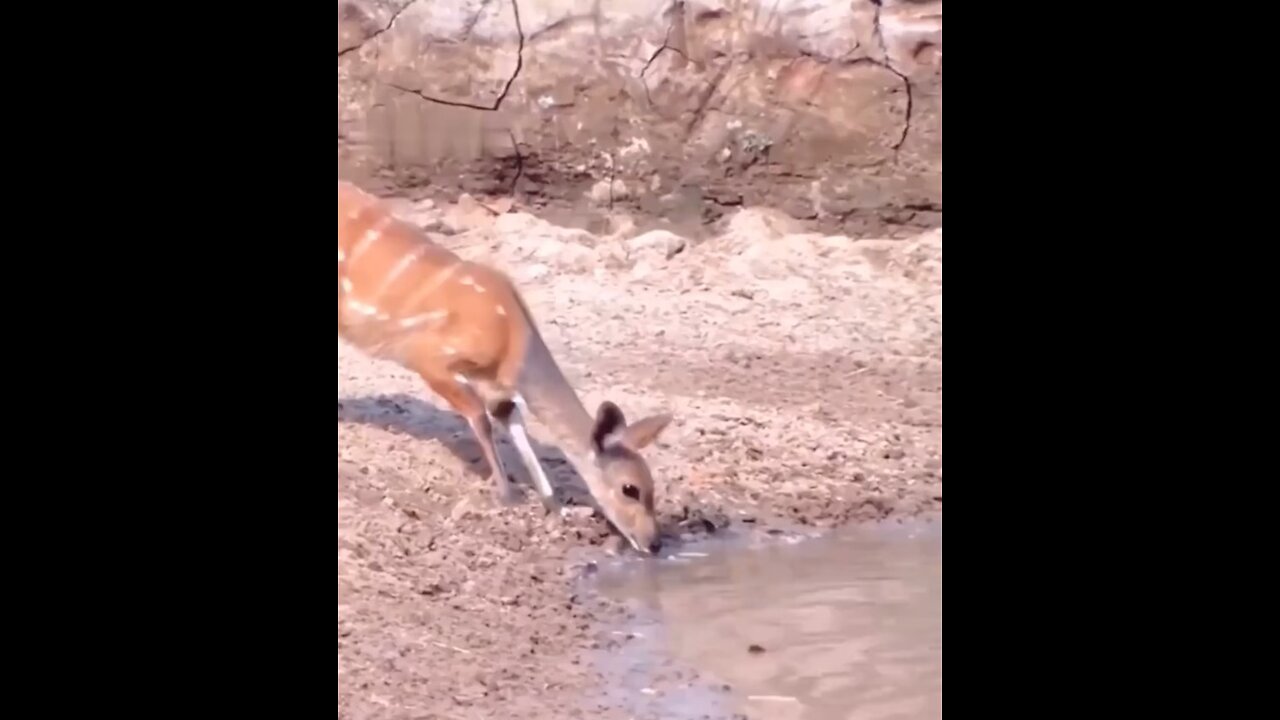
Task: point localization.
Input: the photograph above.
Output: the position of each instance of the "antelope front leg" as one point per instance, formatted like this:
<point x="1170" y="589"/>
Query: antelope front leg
<point x="508" y="415"/>
<point x="465" y="401"/>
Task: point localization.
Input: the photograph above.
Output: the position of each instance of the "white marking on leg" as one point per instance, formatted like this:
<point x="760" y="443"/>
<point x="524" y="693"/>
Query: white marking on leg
<point x="515" y="425"/>
<point x="346" y="284"/>
<point x="341" y="255"/>
<point x="502" y="312"/>
<point x="467" y="281"/>
<point x="461" y="379"/>
<point x="449" y="351"/>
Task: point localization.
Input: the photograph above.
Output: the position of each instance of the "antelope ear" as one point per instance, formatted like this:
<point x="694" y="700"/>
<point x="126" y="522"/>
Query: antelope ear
<point x="640" y="434"/>
<point x="610" y="423"/>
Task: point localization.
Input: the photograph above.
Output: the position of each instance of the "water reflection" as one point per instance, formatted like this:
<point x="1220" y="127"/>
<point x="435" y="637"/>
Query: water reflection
<point x="847" y="627"/>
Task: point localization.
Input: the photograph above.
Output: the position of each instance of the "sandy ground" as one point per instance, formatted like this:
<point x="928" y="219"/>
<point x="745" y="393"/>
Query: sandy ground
<point x="805" y="376"/>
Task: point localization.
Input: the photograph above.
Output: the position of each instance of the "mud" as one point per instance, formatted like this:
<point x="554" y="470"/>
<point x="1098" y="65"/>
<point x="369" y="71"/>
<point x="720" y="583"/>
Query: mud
<point x="805" y="375"/>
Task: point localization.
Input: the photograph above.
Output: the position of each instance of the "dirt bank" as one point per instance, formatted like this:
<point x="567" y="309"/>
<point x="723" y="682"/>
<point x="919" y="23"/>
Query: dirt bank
<point x="805" y="376"/>
<point x="828" y="109"/>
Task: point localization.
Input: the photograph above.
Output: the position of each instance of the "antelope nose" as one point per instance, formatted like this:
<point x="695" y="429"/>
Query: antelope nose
<point x="655" y="547"/>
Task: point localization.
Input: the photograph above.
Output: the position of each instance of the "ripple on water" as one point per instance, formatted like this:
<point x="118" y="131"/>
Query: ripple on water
<point x="850" y="626"/>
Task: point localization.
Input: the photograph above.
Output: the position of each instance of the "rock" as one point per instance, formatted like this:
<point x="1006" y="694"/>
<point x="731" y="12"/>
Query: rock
<point x="606" y="193"/>
<point x="536" y="245"/>
<point x="613" y="254"/>
<point x="621" y="226"/>
<point x="765" y="222"/>
<point x="499" y="206"/>
<point x="467" y="214"/>
<point x="461" y="510"/>
<point x="655" y="246"/>
<point x="423" y="214"/>
<point x="577" y="513"/>
<point x="599" y="194"/>
<point x="530" y="272"/>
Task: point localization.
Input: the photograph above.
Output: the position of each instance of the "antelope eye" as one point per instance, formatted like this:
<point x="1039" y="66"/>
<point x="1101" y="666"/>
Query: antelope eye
<point x="631" y="491"/>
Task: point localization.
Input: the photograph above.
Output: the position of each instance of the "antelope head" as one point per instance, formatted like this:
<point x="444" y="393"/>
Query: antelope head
<point x="625" y="491"/>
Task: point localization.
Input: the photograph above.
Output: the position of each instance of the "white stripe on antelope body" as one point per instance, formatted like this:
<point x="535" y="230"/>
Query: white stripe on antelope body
<point x="463" y="327"/>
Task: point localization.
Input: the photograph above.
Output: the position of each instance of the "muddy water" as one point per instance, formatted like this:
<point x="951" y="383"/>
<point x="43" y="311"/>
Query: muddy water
<point x="847" y="627"/>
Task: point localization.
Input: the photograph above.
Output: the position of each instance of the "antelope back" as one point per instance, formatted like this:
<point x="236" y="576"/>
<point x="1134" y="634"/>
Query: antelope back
<point x="403" y="297"/>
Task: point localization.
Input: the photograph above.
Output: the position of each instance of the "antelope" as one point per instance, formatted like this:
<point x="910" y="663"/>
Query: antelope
<point x="464" y="328"/>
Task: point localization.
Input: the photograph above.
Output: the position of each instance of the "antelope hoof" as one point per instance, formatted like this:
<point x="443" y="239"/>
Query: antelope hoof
<point x="551" y="505"/>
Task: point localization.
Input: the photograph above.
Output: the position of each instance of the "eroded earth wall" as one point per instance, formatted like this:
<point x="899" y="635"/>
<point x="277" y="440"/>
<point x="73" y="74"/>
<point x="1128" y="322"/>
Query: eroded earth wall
<point x="830" y="110"/>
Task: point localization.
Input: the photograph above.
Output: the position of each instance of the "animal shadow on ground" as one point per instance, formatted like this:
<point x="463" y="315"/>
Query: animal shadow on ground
<point x="408" y="415"/>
